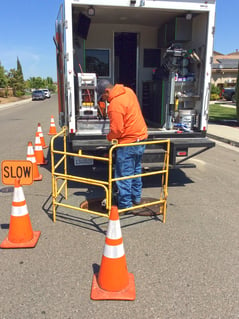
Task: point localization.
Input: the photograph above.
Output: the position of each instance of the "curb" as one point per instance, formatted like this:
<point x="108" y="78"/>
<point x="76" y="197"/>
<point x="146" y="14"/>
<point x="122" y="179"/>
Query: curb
<point x="224" y="140"/>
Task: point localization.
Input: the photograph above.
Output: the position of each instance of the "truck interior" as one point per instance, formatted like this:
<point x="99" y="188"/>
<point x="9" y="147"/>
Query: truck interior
<point x="159" y="54"/>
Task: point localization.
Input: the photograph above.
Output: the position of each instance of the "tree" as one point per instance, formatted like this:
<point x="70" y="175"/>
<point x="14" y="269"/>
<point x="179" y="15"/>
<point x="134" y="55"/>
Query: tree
<point x="237" y="93"/>
<point x="40" y="83"/>
<point x="12" y="80"/>
<point x="16" y="80"/>
<point x="19" y="68"/>
<point x="49" y="84"/>
<point x="20" y="87"/>
<point x="3" y="77"/>
<point x="36" y="82"/>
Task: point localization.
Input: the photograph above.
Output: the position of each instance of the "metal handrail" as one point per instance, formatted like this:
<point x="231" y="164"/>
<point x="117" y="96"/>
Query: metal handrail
<point x="106" y="185"/>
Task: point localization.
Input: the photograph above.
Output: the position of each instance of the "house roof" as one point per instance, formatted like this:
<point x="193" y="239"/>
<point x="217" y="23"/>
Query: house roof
<point x="217" y="53"/>
<point x="226" y="64"/>
<point x="234" y="54"/>
<point x="228" y="61"/>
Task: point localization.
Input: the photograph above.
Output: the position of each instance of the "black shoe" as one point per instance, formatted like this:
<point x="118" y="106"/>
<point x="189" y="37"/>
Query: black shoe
<point x="137" y="203"/>
<point x="126" y="212"/>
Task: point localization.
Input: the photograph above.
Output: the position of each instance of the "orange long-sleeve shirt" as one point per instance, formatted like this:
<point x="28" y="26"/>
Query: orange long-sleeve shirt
<point x="127" y="124"/>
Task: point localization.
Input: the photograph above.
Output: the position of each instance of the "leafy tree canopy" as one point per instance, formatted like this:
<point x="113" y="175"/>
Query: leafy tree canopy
<point x="3" y="77"/>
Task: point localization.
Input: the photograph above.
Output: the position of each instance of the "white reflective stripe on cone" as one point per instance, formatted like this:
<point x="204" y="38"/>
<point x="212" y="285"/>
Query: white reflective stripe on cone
<point x="18" y="195"/>
<point x="114" y="230"/>
<point x="31" y="159"/>
<point x="30" y="151"/>
<point x="114" y="251"/>
<point x="19" y="210"/>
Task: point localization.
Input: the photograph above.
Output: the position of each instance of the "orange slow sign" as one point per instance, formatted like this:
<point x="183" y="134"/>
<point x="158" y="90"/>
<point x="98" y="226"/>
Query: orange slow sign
<point x="13" y="169"/>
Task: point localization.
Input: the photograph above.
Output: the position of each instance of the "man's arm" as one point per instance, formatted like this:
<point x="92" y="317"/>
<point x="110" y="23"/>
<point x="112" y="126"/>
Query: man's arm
<point x="116" y="125"/>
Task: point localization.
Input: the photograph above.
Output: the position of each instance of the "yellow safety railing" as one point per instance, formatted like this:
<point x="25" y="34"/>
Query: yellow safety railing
<point x="106" y="185"/>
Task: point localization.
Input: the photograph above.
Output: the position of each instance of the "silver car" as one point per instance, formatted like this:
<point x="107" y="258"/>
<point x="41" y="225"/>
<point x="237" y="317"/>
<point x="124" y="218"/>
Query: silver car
<point x="38" y="95"/>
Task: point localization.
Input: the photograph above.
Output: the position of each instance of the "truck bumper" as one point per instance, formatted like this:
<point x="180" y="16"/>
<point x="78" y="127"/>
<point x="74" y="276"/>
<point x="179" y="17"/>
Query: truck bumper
<point x="179" y="150"/>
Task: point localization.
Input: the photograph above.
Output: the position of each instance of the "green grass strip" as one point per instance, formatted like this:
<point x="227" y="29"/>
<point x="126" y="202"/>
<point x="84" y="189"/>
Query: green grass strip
<point x="219" y="112"/>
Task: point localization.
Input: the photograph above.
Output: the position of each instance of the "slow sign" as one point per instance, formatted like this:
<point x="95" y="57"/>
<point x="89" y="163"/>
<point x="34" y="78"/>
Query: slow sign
<point x="12" y="169"/>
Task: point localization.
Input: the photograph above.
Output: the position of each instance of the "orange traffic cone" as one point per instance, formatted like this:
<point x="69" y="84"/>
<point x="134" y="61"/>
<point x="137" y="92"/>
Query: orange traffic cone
<point x="20" y="233"/>
<point x="32" y="158"/>
<point x="39" y="129"/>
<point x="38" y="151"/>
<point x="52" y="130"/>
<point x="113" y="282"/>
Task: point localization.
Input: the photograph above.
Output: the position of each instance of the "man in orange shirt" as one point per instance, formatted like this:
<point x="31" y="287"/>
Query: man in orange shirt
<point x="127" y="125"/>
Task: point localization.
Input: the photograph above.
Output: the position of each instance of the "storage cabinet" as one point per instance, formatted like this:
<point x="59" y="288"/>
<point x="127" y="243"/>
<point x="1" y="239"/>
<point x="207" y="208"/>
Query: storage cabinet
<point x="147" y="99"/>
<point x="177" y="30"/>
<point x="154" y="101"/>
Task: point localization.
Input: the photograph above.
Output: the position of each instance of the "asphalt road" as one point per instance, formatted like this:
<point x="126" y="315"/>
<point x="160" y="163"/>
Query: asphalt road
<point x="187" y="268"/>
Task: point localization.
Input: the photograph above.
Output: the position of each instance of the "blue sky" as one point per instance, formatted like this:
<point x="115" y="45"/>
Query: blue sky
<point x="27" y="29"/>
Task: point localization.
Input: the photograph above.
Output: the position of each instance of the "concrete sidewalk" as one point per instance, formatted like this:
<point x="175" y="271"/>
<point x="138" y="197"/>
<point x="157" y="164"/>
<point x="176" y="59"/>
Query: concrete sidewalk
<point x="225" y="133"/>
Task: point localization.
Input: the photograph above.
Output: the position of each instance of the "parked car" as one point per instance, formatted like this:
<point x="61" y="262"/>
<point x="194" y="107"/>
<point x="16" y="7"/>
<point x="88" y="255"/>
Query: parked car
<point x="229" y="94"/>
<point x="47" y="93"/>
<point x="38" y="95"/>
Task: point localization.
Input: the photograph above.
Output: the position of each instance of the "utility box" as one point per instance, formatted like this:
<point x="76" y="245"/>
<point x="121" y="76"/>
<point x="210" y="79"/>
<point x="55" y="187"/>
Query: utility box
<point x="87" y="95"/>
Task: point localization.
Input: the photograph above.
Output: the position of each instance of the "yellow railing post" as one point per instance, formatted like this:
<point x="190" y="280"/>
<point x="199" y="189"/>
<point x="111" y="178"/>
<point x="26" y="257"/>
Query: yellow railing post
<point x="106" y="185"/>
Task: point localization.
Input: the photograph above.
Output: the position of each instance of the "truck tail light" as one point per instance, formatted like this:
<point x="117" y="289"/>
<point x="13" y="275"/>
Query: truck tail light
<point x="182" y="153"/>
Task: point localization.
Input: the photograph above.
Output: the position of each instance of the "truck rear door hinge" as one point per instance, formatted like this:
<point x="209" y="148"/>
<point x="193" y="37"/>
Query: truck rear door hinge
<point x="66" y="24"/>
<point x="67" y="56"/>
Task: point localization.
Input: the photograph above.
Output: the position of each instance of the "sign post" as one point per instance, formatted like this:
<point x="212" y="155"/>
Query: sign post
<point x="20" y="234"/>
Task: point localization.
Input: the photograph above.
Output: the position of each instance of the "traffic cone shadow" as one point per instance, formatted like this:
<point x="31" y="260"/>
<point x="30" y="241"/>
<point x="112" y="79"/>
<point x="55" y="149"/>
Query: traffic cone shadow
<point x="39" y="151"/>
<point x="113" y="282"/>
<point x="20" y="233"/>
<point x="52" y="130"/>
<point x="39" y="130"/>
<point x="32" y="158"/>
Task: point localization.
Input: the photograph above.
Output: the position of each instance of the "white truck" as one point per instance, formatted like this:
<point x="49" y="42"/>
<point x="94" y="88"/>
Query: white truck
<point x="162" y="49"/>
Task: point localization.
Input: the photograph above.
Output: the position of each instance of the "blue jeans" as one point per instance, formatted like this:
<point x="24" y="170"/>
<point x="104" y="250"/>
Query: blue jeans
<point x="128" y="162"/>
